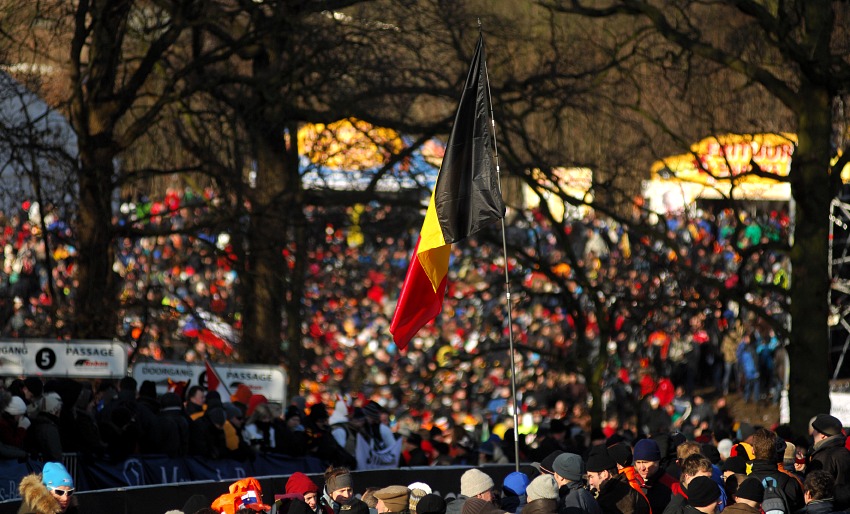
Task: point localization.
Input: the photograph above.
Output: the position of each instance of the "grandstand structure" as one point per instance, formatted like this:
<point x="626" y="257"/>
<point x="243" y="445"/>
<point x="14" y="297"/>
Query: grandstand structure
<point x="839" y="291"/>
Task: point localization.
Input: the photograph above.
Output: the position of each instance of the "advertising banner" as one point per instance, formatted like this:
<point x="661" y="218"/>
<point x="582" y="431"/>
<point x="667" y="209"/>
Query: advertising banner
<point x="72" y="358"/>
<point x="269" y="381"/>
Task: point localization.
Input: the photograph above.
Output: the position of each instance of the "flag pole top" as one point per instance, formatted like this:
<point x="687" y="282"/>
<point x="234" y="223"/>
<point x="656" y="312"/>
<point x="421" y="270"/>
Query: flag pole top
<point x="479" y="25"/>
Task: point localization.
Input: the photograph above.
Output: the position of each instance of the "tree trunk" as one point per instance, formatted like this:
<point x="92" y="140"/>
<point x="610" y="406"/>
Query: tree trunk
<point x="265" y="265"/>
<point x="813" y="191"/>
<point x="96" y="304"/>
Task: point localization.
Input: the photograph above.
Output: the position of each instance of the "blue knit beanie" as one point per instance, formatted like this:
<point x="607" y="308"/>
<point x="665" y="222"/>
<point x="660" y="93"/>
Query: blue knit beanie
<point x="516" y="483"/>
<point x="647" y="449"/>
<point x="54" y="474"/>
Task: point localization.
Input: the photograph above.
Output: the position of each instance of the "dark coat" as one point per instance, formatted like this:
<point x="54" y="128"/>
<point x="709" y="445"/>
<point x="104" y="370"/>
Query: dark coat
<point x="542" y="506"/>
<point x="658" y="490"/>
<point x="206" y="440"/>
<point x="832" y="456"/>
<point x="575" y="499"/>
<point x="174" y="423"/>
<point x="616" y="496"/>
<point x="820" y="507"/>
<point x="43" y="437"/>
<point x="740" y="508"/>
<point x="791" y="487"/>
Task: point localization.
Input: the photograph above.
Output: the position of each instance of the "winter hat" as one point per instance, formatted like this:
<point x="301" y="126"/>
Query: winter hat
<point x="647" y="449"/>
<point x="213" y="399"/>
<point x="569" y="466"/>
<point x="703" y="491"/>
<point x="827" y="425"/>
<point x="232" y="411"/>
<point x="395" y="497"/>
<point x="217" y="416"/>
<point x="422" y="486"/>
<point x="710" y="452"/>
<point x="724" y="447"/>
<point x="16" y="406"/>
<point x="35" y="385"/>
<point x="736" y="464"/>
<point x="431" y="504"/>
<point x="52" y="403"/>
<point x="790" y="452"/>
<point x="600" y="461"/>
<point x="171" y="401"/>
<point x="54" y="474"/>
<point x="548" y="463"/>
<point x="291" y="412"/>
<point x="335" y="483"/>
<point x="543" y="487"/>
<point x="622" y="454"/>
<point x="475" y="481"/>
<point x="372" y="410"/>
<point x="318" y="412"/>
<point x="751" y="489"/>
<point x="479" y="506"/>
<point x="515" y="483"/>
<point x="258" y="399"/>
<point x="147" y="390"/>
<point x="301" y="484"/>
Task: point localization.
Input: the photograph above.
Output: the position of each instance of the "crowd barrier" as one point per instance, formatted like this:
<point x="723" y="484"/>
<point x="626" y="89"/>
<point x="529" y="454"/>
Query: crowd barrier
<point x="172" y="494"/>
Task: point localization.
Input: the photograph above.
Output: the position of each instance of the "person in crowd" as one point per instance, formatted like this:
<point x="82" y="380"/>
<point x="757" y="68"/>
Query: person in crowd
<point x="479" y="506"/>
<point x="474" y="483"/>
<point x="569" y="474"/>
<point x="51" y="492"/>
<point x="417" y="490"/>
<point x="656" y="482"/>
<point x="206" y="434"/>
<point x="301" y="486"/>
<point x="339" y="488"/>
<point x="819" y="493"/>
<point x="13" y="421"/>
<point x="693" y="466"/>
<point x="830" y="453"/>
<point x="748" y="497"/>
<point x="33" y="390"/>
<point x="412" y="453"/>
<point x="431" y="504"/>
<point x="542" y="496"/>
<point x="151" y="435"/>
<point x="764" y="466"/>
<point x="393" y="499"/>
<point x="195" y="398"/>
<point x="613" y="492"/>
<point x="622" y="454"/>
<point x="290" y="435"/>
<point x="174" y="422"/>
<point x="704" y="496"/>
<point x="43" y="437"/>
<point x="513" y="491"/>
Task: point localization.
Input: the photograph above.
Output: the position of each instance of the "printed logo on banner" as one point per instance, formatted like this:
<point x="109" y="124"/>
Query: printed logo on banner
<point x="86" y="363"/>
<point x="134" y="473"/>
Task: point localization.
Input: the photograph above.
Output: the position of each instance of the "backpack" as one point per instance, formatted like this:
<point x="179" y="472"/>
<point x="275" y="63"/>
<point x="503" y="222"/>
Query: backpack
<point x="774" y="501"/>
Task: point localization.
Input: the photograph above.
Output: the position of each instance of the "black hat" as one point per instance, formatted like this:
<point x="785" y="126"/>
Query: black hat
<point x="291" y="412"/>
<point x="710" y="452"/>
<point x="751" y="489"/>
<point x="600" y="461"/>
<point x="35" y="385"/>
<point x="736" y="464"/>
<point x="621" y="453"/>
<point x="703" y="491"/>
<point x="148" y="390"/>
<point x="318" y="412"/>
<point x="431" y="504"/>
<point x="827" y="425"/>
<point x="547" y="465"/>
<point x="217" y="415"/>
<point x="556" y="426"/>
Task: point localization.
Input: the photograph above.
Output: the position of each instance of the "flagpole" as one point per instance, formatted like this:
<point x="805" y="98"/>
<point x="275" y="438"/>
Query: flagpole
<point x="507" y="277"/>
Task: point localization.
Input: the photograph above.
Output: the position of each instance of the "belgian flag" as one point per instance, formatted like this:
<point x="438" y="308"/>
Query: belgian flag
<point x="466" y="197"/>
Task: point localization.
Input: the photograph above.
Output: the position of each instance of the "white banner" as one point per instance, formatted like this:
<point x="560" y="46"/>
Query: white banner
<point x="841" y="407"/>
<point x="73" y="358"/>
<point x="268" y="381"/>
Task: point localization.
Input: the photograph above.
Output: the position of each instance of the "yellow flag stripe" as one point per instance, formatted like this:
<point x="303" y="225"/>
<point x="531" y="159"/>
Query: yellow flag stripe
<point x="433" y="251"/>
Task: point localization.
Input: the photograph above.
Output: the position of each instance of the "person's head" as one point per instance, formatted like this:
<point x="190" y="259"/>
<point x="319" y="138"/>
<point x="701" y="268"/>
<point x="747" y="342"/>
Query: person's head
<point x="196" y="395"/>
<point x="819" y="485"/>
<point x="622" y="454"/>
<point x="59" y="482"/>
<point x="600" y="467"/>
<point x="431" y="504"/>
<point x="647" y="457"/>
<point x="750" y="492"/>
<point x="824" y="426"/>
<point x="704" y="495"/>
<point x="299" y="483"/>
<point x="548" y="463"/>
<point x="416" y="491"/>
<point x="338" y="484"/>
<point x="394" y="498"/>
<point x="542" y="487"/>
<point x="568" y="467"/>
<point x="764" y="444"/>
<point x="695" y="466"/>
<point x="474" y="483"/>
<point x="686" y="449"/>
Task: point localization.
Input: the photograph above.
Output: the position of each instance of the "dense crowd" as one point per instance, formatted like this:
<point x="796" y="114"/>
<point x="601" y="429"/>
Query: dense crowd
<point x="757" y="471"/>
<point x="674" y="346"/>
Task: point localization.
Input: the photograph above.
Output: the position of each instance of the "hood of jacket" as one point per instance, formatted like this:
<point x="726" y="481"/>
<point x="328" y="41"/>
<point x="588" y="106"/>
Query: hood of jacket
<point x="36" y="498"/>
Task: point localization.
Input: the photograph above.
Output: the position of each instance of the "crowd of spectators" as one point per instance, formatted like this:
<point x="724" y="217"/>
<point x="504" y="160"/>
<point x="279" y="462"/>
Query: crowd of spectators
<point x="674" y="345"/>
